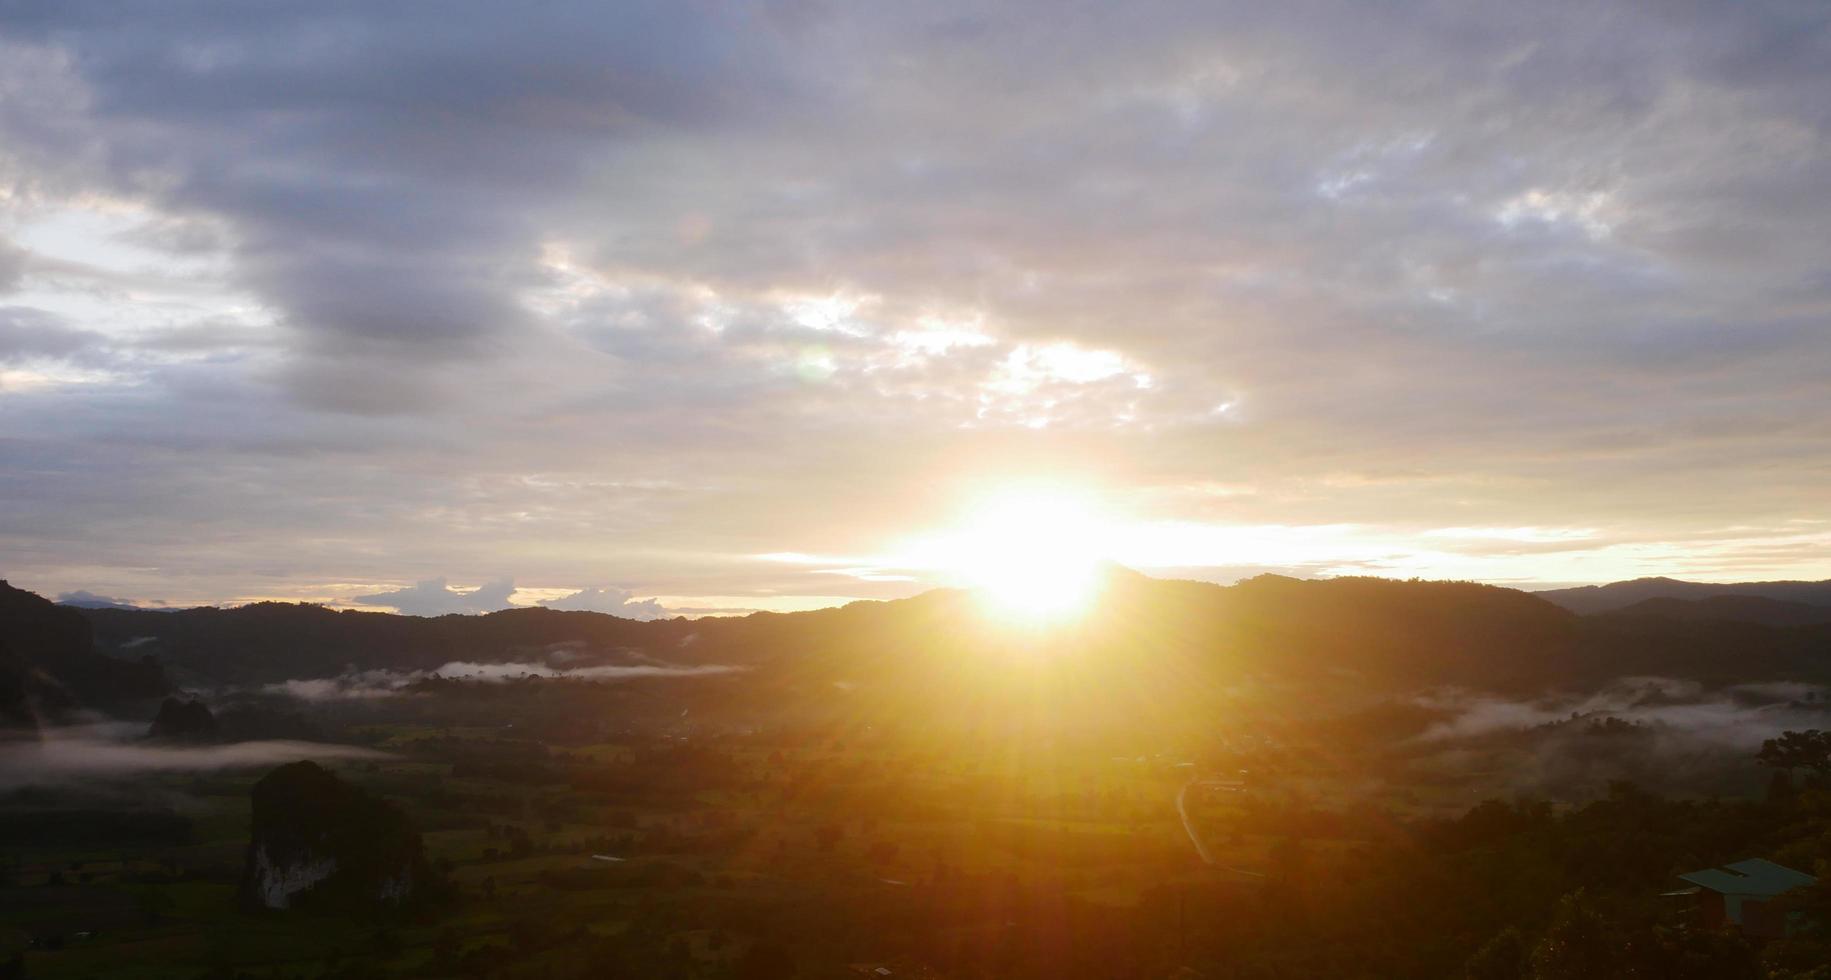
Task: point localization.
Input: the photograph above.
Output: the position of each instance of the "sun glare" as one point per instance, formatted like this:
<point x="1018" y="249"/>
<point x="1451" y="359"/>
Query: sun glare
<point x="1033" y="555"/>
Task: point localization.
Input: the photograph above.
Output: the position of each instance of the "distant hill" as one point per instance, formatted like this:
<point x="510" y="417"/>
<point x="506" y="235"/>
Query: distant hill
<point x="183" y="721"/>
<point x="1589" y="599"/>
<point x="266" y="642"/>
<point x="1149" y="652"/>
<point x="1147" y="645"/>
<point x="49" y="667"/>
<point x="1731" y="608"/>
<point x="1409" y="629"/>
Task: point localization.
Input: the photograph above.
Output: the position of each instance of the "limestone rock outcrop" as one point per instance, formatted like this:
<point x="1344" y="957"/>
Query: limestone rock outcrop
<point x="183" y="721"/>
<point x="318" y="842"/>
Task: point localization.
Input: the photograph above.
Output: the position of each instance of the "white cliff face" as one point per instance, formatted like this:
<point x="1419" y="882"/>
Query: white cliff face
<point x="276" y="885"/>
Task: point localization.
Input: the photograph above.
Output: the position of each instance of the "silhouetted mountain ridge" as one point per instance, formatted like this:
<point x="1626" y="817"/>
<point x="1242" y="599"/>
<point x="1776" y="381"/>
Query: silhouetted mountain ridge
<point x="1731" y="608"/>
<point x="183" y="721"/>
<point x="274" y="641"/>
<point x="49" y="667"/>
<point x="1146" y="645"/>
<point x="1587" y="599"/>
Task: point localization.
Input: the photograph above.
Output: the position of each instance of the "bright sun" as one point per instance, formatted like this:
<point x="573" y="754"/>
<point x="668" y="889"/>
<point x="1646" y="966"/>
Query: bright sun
<point x="1033" y="554"/>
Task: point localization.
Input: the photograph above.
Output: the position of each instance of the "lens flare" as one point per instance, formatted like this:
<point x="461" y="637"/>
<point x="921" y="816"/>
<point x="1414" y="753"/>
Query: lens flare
<point x="1033" y="554"/>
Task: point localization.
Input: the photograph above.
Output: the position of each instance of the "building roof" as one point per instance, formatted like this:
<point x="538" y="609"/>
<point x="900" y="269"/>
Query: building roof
<point x="1751" y="877"/>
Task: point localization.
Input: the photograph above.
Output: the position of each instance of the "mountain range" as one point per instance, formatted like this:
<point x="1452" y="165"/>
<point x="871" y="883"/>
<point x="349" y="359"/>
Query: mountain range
<point x="1617" y="596"/>
<point x="1147" y="646"/>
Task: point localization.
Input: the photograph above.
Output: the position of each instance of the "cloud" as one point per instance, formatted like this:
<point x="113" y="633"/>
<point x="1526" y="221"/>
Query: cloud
<point x="13" y="262"/>
<point x="433" y="598"/>
<point x="27" y="333"/>
<point x="617" y="602"/>
<point x="385" y="212"/>
<point x="504" y="288"/>
<point x="83" y="599"/>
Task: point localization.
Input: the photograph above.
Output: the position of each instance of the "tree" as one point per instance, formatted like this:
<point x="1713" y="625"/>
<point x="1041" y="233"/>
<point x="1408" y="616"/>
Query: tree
<point x="1505" y="957"/>
<point x="1780" y="789"/>
<point x="1578" y="946"/>
<point x="1809" y="749"/>
<point x="1690" y="954"/>
<point x="1806" y="953"/>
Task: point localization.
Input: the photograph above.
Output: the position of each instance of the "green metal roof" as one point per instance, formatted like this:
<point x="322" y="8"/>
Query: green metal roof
<point x="1753" y="877"/>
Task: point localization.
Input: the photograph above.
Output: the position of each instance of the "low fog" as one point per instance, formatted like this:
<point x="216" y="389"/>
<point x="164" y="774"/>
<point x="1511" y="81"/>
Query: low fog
<point x="1670" y="735"/>
<point x="116" y="749"/>
<point x="365" y="684"/>
<point x="1737" y="716"/>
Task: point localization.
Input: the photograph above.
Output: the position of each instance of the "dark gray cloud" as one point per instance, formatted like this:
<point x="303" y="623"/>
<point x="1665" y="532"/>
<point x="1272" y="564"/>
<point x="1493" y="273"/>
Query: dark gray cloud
<point x="13" y="261"/>
<point x="626" y="294"/>
<point x="27" y="333"/>
<point x="384" y="172"/>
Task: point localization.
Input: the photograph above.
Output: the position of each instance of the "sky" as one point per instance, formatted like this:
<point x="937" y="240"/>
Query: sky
<point x="695" y="307"/>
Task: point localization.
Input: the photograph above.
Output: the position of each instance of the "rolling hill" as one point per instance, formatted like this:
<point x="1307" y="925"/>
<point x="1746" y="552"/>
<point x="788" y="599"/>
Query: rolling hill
<point x="1588" y="599"/>
<point x="1147" y="646"/>
<point x="1731" y="608"/>
<point x="50" y="666"/>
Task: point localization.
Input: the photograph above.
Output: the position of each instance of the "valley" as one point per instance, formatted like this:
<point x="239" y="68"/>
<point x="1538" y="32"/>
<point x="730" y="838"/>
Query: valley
<point x="897" y="785"/>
